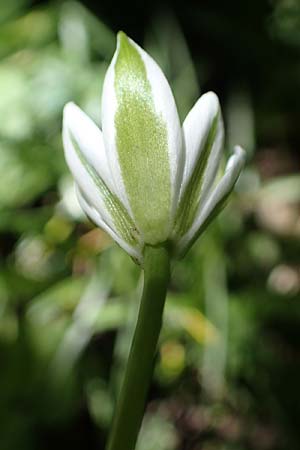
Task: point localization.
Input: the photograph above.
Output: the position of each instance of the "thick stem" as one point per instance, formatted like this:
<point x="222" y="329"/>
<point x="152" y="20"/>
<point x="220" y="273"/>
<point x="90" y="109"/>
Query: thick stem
<point x="130" y="407"/>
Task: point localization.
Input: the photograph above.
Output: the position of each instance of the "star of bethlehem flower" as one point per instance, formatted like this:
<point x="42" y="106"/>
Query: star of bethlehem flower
<point x="143" y="178"/>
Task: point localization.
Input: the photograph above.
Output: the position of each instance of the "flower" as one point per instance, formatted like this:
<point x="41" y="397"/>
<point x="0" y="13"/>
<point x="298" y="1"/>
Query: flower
<point x="144" y="179"/>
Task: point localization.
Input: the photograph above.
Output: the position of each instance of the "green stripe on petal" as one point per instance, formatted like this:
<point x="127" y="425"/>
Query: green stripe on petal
<point x="123" y="222"/>
<point x="142" y="144"/>
<point x="189" y="202"/>
<point x="215" y="202"/>
<point x="215" y="212"/>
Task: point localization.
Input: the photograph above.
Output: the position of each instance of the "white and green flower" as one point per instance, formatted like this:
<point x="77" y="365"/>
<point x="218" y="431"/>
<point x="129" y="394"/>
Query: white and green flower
<point x="145" y="179"/>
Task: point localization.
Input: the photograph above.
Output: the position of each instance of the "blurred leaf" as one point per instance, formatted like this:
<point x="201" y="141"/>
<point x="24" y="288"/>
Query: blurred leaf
<point x="25" y="169"/>
<point x="17" y="122"/>
<point x="172" y="360"/>
<point x="11" y="8"/>
<point x="34" y="29"/>
<point x="81" y="32"/>
<point x="157" y="433"/>
<point x="100" y="403"/>
<point x="285" y="22"/>
<point x="282" y="189"/>
<point x="29" y="220"/>
<point x="191" y="320"/>
<point x="240" y="121"/>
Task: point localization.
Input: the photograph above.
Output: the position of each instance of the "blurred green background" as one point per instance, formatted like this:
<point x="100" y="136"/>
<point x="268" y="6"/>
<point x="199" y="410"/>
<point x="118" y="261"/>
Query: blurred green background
<point x="228" y="367"/>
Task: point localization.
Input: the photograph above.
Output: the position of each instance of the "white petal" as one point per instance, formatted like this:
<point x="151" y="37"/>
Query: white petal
<point x="196" y="129"/>
<point x="82" y="158"/>
<point x="215" y="199"/>
<point x="95" y="216"/>
<point x="165" y="110"/>
<point x="109" y="107"/>
<point x="89" y="138"/>
<point x="86" y="183"/>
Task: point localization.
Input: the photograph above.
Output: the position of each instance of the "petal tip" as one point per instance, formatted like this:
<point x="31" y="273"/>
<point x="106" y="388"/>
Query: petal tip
<point x="236" y="161"/>
<point x="121" y="36"/>
<point x="69" y="106"/>
<point x="211" y="99"/>
<point x="69" y="110"/>
<point x="123" y="42"/>
<point x="212" y="95"/>
<point x="240" y="153"/>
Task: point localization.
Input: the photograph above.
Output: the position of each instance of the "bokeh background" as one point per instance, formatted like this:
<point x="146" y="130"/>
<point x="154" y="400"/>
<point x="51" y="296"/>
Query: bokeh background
<point x="228" y="368"/>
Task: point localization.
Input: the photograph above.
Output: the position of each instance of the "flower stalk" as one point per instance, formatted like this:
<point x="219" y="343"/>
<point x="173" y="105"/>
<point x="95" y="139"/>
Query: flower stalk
<point x="131" y="404"/>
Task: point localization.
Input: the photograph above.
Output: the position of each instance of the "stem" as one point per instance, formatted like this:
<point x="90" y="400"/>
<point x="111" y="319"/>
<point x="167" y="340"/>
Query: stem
<point x="131" y="404"/>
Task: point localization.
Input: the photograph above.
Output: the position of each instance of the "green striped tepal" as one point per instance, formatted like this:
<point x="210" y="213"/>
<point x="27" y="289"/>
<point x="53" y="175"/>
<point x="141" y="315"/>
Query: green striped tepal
<point x="144" y="178"/>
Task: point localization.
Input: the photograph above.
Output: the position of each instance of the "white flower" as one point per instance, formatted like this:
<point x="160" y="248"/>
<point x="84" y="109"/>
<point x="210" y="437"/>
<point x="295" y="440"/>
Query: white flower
<point x="145" y="179"/>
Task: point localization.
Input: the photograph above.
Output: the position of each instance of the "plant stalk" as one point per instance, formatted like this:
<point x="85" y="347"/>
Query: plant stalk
<point x="133" y="395"/>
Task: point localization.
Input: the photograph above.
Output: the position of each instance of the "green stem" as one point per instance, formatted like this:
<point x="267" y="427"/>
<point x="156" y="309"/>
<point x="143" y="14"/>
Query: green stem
<point x="130" y="408"/>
